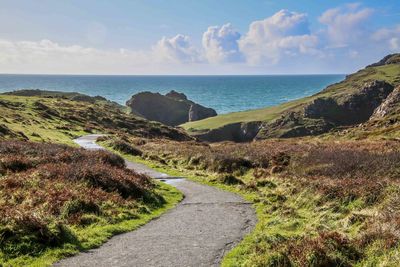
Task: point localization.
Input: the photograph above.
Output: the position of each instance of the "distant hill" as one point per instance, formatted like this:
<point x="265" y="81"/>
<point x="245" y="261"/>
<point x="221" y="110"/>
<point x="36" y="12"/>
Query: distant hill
<point x="347" y="103"/>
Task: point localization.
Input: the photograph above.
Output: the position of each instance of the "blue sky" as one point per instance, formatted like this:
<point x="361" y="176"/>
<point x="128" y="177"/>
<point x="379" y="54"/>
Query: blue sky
<point x="195" y="37"/>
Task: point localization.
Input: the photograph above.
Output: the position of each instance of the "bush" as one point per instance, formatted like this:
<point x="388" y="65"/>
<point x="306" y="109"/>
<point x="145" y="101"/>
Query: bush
<point x="125" y="147"/>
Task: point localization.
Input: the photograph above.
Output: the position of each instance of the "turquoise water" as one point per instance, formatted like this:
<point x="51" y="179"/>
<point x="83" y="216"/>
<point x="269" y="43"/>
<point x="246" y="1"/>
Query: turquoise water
<point x="223" y="93"/>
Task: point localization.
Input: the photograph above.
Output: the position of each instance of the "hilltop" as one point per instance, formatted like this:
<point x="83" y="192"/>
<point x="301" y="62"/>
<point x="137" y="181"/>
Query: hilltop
<point x="347" y="103"/>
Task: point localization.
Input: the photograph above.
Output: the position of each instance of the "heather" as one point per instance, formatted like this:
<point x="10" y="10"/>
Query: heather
<point x="319" y="202"/>
<point x="55" y="198"/>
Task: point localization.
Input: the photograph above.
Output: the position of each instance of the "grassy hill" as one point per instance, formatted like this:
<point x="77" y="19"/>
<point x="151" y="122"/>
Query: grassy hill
<point x="48" y="116"/>
<point x="289" y="119"/>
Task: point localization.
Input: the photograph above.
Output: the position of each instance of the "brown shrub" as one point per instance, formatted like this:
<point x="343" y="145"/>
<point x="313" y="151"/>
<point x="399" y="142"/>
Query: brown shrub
<point x="125" y="147"/>
<point x="327" y="249"/>
<point x="47" y="187"/>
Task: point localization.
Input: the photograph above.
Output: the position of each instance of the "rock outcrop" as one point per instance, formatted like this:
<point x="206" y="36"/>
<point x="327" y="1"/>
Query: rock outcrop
<point x="389" y="59"/>
<point x="171" y="109"/>
<point x="389" y="106"/>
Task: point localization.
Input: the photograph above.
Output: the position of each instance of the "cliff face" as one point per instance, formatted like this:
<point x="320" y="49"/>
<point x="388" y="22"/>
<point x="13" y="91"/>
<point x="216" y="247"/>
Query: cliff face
<point x="325" y="113"/>
<point x="172" y="109"/>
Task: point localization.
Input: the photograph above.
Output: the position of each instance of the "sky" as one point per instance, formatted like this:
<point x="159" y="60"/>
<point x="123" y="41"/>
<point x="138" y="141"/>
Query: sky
<point x="203" y="37"/>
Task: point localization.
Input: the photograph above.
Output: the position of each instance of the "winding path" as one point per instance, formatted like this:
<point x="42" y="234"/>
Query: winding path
<point x="197" y="232"/>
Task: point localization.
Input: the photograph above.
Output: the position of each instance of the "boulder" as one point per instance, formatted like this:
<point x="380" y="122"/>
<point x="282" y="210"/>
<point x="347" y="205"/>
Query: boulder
<point x="171" y="109"/>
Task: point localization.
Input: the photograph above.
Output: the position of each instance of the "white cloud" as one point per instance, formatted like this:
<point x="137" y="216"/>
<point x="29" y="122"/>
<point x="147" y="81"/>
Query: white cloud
<point x="284" y="33"/>
<point x="389" y="37"/>
<point x="177" y="49"/>
<point x="345" y="25"/>
<point x="221" y="44"/>
<point x="46" y="56"/>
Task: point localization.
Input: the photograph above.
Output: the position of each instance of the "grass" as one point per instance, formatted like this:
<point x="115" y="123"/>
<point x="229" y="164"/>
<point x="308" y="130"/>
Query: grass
<point x="334" y="205"/>
<point x="57" y="200"/>
<point x="264" y="114"/>
<point x="339" y="91"/>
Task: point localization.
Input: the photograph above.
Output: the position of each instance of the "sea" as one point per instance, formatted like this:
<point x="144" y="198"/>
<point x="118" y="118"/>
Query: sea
<point x="223" y="93"/>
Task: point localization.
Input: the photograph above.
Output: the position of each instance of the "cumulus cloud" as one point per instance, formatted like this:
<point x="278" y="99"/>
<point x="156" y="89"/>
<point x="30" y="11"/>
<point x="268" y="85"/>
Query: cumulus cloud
<point x="345" y="25"/>
<point x="221" y="44"/>
<point x="177" y="49"/>
<point x="284" y="33"/>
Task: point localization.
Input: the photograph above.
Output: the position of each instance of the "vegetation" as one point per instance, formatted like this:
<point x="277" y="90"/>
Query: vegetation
<point x="49" y="117"/>
<point x="56" y="201"/>
<point x="319" y="203"/>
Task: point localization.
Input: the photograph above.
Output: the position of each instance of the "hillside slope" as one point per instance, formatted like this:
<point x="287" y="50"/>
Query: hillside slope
<point x="346" y="103"/>
<point x="59" y="117"/>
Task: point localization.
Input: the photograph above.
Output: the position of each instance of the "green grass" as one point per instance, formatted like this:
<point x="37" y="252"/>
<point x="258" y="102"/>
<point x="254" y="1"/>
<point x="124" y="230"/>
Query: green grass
<point x="95" y="235"/>
<point x="24" y="118"/>
<point x="264" y="114"/>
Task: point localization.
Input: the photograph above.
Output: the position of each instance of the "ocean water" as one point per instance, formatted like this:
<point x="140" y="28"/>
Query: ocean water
<point x="223" y="93"/>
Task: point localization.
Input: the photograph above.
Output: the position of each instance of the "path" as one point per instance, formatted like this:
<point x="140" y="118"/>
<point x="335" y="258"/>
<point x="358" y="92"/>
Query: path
<point x="197" y="232"/>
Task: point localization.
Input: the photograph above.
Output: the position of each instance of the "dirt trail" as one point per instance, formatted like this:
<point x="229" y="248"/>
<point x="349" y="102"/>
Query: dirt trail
<point x="197" y="232"/>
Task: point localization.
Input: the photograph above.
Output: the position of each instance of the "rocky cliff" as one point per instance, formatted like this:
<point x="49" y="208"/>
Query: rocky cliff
<point x="171" y="109"/>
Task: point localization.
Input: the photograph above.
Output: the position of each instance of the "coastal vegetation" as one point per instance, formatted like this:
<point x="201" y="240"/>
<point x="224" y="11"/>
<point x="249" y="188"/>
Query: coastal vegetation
<point x="319" y="203"/>
<point x="56" y="200"/>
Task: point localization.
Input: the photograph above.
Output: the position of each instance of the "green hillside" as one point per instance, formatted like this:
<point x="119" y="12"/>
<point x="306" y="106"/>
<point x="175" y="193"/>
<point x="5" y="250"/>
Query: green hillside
<point x="60" y="117"/>
<point x="387" y="70"/>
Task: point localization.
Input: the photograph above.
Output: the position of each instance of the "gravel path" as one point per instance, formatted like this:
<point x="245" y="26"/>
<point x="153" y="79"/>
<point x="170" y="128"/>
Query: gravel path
<point x="197" y="232"/>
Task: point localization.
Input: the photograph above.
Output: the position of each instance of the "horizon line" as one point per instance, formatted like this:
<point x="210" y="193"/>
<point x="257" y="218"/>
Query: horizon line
<point x="171" y="75"/>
